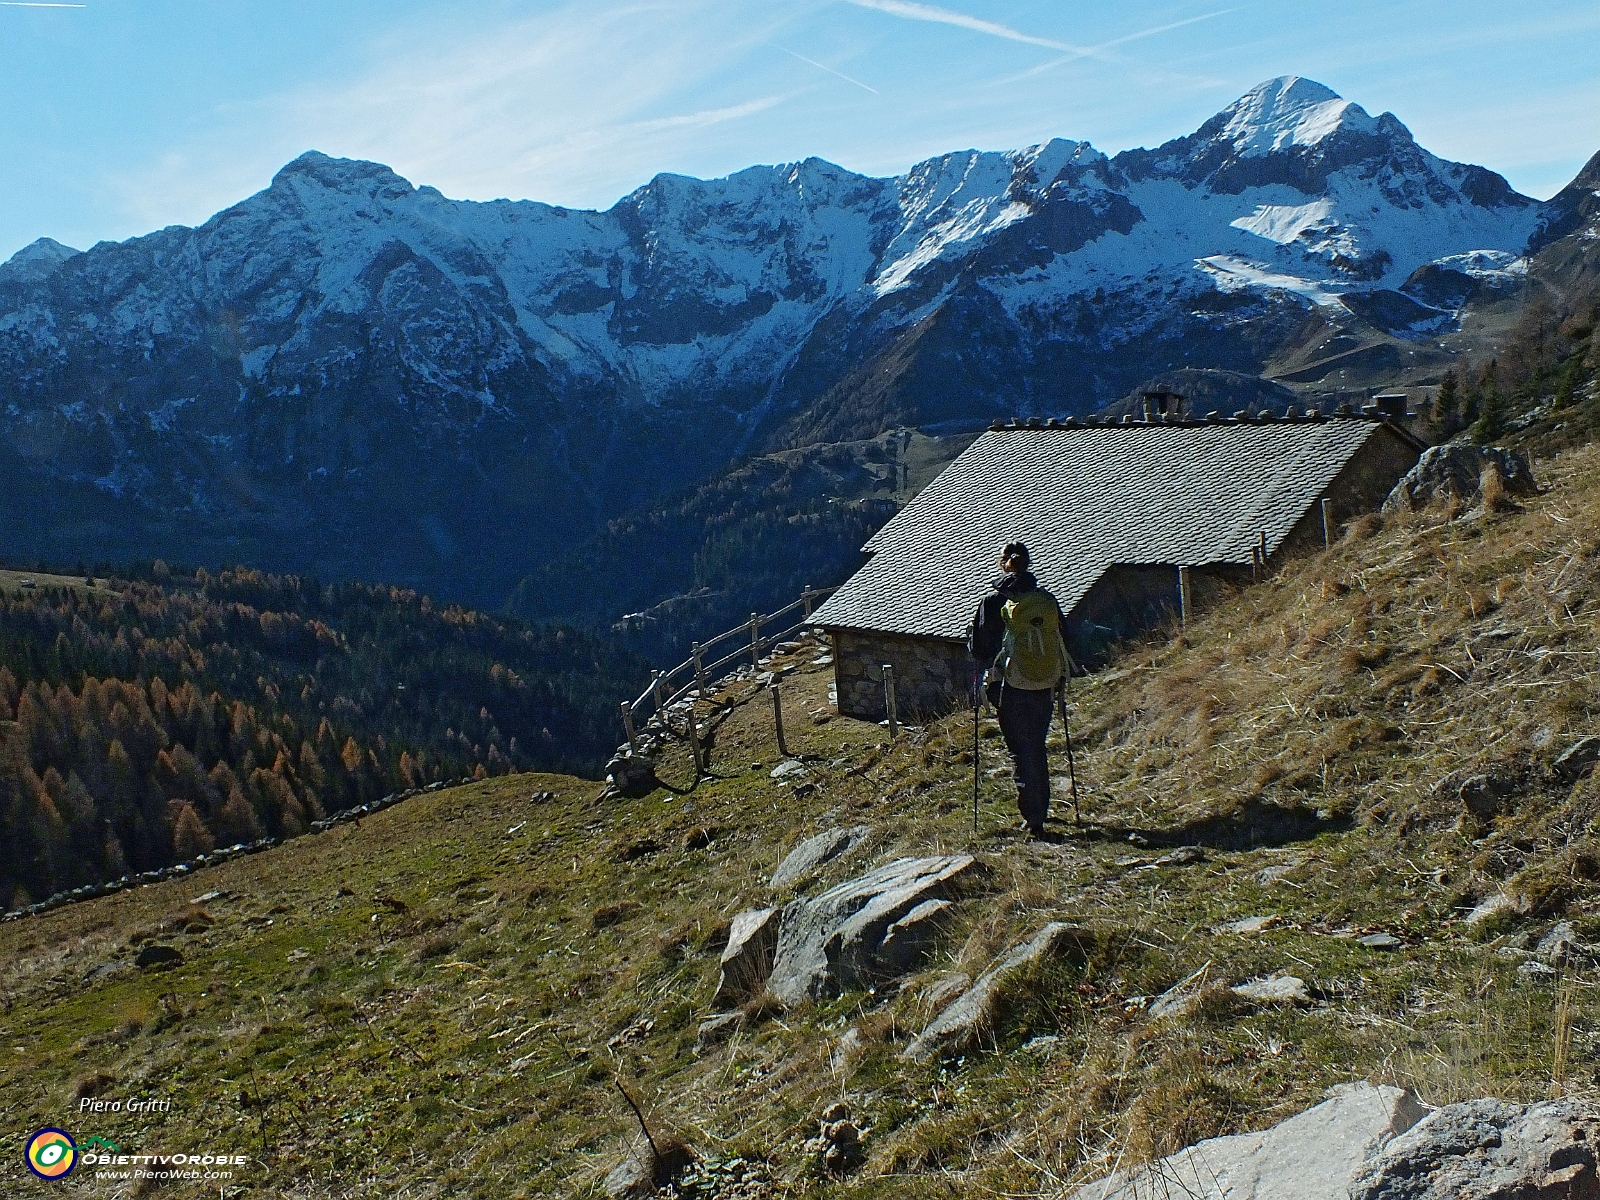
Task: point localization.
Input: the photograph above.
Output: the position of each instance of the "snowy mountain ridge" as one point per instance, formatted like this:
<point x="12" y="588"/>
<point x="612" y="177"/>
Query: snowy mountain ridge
<point x="296" y="349"/>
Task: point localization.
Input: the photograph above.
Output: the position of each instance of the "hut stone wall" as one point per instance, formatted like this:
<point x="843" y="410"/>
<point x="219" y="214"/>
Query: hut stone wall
<point x="930" y="674"/>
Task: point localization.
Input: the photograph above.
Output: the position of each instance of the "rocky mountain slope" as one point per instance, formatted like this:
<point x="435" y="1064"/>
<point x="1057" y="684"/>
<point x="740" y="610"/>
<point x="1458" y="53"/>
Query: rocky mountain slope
<point x="349" y="374"/>
<point x="1339" y="831"/>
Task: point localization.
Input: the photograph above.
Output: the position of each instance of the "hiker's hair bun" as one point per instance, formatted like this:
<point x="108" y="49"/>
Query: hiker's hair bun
<point x="1017" y="551"/>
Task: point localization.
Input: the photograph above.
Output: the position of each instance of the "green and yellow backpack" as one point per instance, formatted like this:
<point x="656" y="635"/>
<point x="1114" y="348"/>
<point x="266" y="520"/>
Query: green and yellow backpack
<point x="1034" y="653"/>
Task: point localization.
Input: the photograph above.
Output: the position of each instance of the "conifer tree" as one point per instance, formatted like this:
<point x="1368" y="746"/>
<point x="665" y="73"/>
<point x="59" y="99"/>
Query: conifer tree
<point x="1446" y="398"/>
<point x="190" y="838"/>
<point x="1491" y="411"/>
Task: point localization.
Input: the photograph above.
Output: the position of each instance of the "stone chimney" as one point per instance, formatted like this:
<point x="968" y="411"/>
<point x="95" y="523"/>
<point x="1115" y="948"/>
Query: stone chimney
<point x="1391" y="406"/>
<point x="1162" y="403"/>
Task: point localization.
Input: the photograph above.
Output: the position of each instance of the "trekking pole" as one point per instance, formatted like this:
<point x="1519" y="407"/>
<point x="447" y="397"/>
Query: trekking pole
<point x="1072" y="767"/>
<point x="977" y="699"/>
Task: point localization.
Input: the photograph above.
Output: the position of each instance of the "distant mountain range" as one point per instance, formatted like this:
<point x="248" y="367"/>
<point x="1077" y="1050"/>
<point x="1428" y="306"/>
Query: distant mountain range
<point x="349" y="375"/>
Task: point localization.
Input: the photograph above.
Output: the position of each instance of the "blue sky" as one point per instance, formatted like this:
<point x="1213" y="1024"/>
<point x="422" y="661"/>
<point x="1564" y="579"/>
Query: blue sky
<point x="121" y="116"/>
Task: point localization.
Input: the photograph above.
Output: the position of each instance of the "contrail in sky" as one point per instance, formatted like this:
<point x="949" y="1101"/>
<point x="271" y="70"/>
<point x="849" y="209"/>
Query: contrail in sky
<point x="829" y="70"/>
<point x="944" y="16"/>
<point x="1089" y="51"/>
<point x="36" y="4"/>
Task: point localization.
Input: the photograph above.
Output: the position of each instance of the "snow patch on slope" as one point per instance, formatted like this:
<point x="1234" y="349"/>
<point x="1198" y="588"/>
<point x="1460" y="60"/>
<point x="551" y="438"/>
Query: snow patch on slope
<point x="1231" y="274"/>
<point x="1499" y="266"/>
<point x="1283" y="223"/>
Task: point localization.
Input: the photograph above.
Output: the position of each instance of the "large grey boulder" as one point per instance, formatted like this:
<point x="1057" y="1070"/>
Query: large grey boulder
<point x="814" y="851"/>
<point x="866" y="930"/>
<point x="1455" y="469"/>
<point x="1489" y="1150"/>
<point x="1381" y="1143"/>
<point x="747" y="958"/>
<point x="960" y="1025"/>
<point x="1312" y="1156"/>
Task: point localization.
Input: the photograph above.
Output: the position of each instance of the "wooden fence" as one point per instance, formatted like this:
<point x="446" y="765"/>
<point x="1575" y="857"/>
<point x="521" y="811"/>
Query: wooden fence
<point x="695" y="673"/>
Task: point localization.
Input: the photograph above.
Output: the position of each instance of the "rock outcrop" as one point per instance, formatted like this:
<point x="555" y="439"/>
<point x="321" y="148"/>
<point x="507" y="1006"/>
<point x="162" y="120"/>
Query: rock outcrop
<point x="1381" y="1143"/>
<point x="1312" y="1156"/>
<point x="1578" y="759"/>
<point x="868" y="929"/>
<point x="1456" y="469"/>
<point x="960" y="1024"/>
<point x="812" y="853"/>
<point x="747" y="958"/>
<point x="1489" y="1150"/>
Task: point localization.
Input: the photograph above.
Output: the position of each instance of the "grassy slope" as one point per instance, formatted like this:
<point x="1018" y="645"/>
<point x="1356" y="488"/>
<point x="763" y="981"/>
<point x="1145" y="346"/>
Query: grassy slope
<point x="468" y="1046"/>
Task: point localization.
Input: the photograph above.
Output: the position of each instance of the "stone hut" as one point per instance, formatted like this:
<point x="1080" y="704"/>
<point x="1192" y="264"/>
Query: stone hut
<point x="1128" y="523"/>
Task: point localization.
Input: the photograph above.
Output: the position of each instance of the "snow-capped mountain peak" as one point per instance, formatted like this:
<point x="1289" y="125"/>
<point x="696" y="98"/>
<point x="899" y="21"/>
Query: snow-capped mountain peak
<point x="35" y="261"/>
<point x="350" y="176"/>
<point x="1289" y="111"/>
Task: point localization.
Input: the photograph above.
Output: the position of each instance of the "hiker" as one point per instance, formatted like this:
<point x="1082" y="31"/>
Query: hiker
<point x="1018" y="632"/>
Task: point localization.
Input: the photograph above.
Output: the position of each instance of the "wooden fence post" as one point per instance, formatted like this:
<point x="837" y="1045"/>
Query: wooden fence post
<point x="777" y="716"/>
<point x="627" y="724"/>
<point x="1261" y="544"/>
<point x="1184" y="600"/>
<point x="888" y="701"/>
<point x="1327" y="523"/>
<point x="699" y="671"/>
<point x="694" y="742"/>
<point x="755" y="640"/>
<point x="805" y="600"/>
<point x="1255" y="564"/>
<point x="655" y="687"/>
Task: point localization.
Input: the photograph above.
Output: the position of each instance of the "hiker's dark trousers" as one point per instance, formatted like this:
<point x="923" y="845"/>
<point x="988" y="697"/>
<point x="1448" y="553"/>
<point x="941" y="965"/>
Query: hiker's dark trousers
<point x="1025" y="722"/>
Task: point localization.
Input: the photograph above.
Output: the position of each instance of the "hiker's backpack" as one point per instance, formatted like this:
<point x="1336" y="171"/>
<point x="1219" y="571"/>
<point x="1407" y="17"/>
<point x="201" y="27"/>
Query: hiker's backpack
<point x="1035" y="656"/>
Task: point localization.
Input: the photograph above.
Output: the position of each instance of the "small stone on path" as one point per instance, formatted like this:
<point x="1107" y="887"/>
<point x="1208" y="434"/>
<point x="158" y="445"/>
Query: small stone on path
<point x="1493" y="905"/>
<point x="1251" y="924"/>
<point x="1278" y="989"/>
<point x="1180" y="857"/>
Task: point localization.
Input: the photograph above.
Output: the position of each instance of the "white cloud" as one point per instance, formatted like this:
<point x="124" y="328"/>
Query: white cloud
<point x="563" y="107"/>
